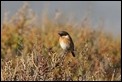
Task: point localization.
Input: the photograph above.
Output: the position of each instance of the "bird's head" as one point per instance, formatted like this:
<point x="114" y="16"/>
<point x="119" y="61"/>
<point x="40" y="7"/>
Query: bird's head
<point x="63" y="33"/>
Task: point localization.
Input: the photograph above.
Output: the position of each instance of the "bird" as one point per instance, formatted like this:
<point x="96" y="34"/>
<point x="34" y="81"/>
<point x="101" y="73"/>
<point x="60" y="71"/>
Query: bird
<point x="66" y="42"/>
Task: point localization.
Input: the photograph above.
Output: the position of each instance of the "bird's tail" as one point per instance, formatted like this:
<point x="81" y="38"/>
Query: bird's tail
<point x="73" y="54"/>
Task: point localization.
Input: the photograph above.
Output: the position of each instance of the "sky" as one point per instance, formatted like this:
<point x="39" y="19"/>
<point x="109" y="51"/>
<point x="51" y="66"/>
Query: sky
<point x="109" y="11"/>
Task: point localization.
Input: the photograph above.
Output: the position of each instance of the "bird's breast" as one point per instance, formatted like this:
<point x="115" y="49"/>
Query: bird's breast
<point x="64" y="43"/>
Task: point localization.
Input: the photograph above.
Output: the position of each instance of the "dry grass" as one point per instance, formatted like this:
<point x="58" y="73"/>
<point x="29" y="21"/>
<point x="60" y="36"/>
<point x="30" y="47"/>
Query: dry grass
<point x="30" y="51"/>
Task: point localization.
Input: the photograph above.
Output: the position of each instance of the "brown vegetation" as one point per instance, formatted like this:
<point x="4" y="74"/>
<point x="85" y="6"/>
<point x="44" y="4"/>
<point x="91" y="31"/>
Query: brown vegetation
<point x="30" y="51"/>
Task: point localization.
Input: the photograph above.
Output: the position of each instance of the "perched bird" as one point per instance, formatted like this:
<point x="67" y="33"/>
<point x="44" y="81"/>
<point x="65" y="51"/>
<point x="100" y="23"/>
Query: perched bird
<point x="66" y="42"/>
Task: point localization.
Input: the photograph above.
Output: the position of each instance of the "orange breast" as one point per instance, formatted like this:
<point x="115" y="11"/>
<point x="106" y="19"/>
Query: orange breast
<point x="64" y="42"/>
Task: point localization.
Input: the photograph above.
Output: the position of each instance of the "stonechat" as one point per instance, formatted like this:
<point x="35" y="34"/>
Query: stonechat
<point x="66" y="42"/>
